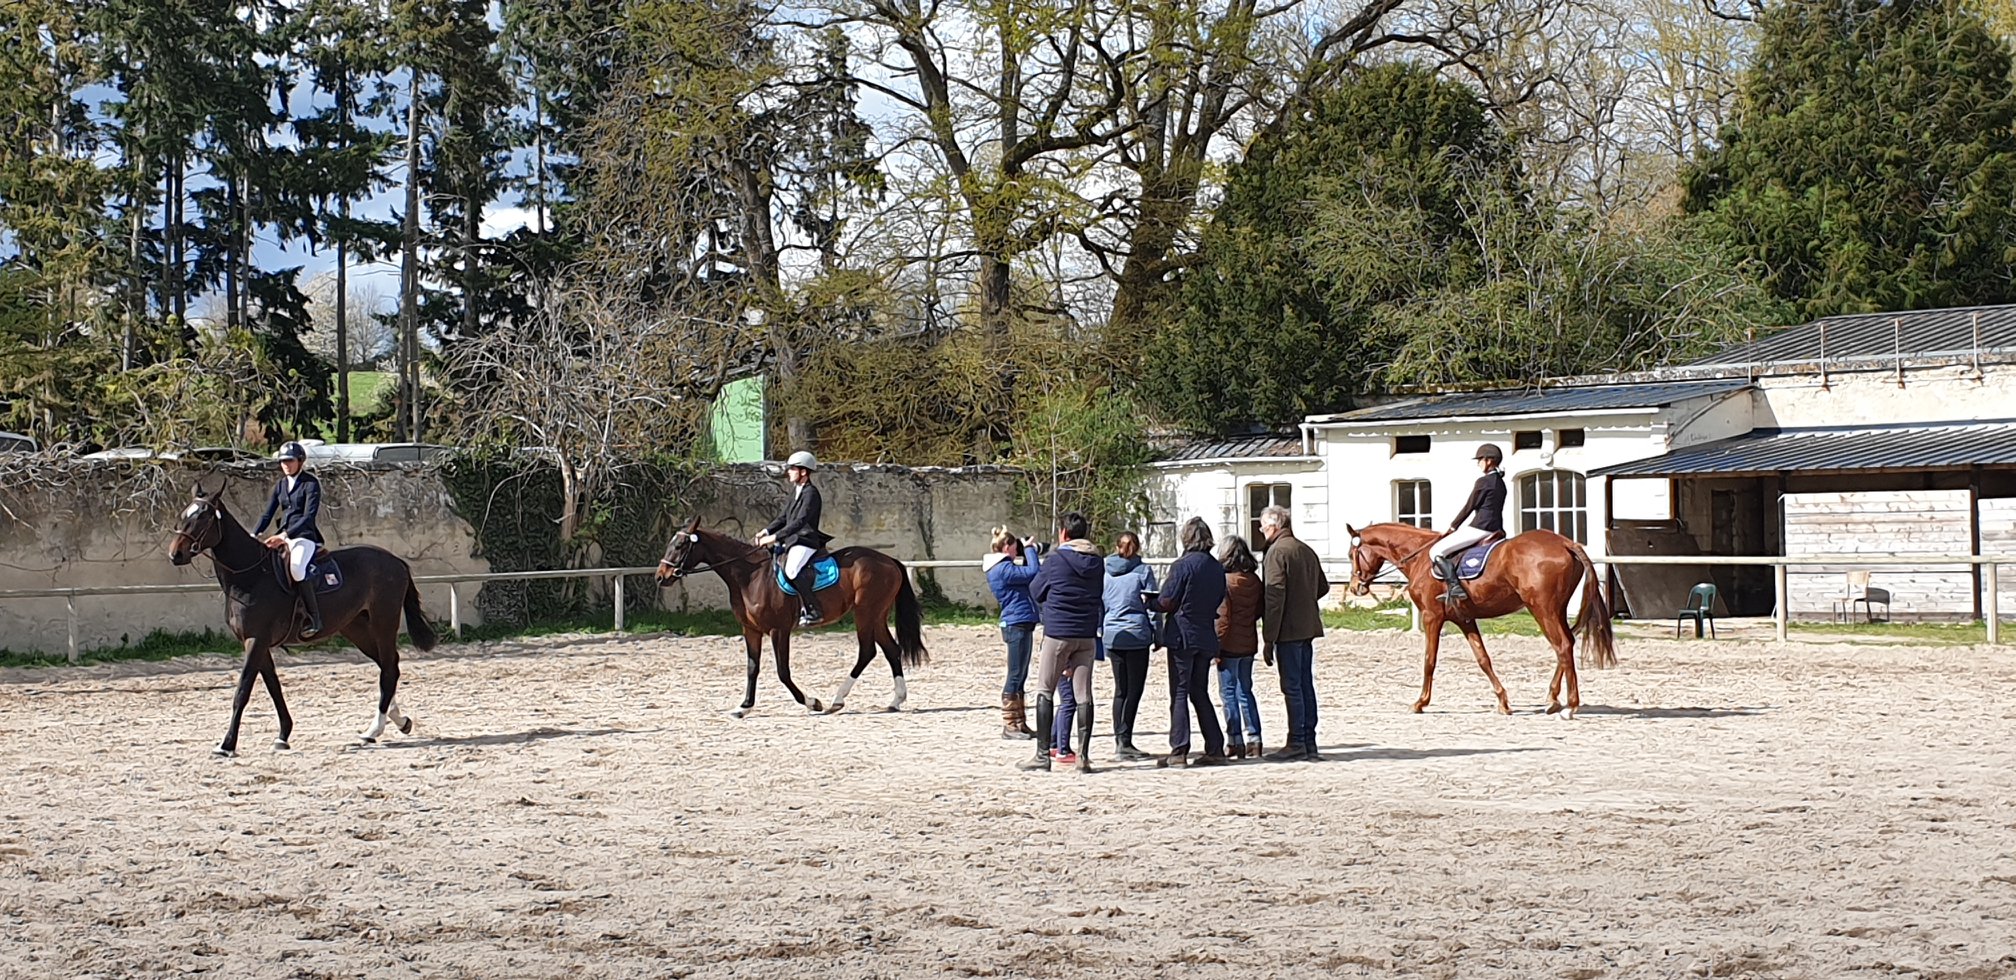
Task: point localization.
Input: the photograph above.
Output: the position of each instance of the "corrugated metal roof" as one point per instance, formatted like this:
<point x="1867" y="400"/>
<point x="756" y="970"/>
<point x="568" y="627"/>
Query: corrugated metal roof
<point x="1526" y="401"/>
<point x="1919" y="333"/>
<point x="1244" y="447"/>
<point x="1866" y="448"/>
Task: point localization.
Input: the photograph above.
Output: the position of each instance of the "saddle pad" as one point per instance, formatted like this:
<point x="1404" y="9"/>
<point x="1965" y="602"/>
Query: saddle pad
<point x="825" y="574"/>
<point x="1470" y="561"/>
<point x="325" y="573"/>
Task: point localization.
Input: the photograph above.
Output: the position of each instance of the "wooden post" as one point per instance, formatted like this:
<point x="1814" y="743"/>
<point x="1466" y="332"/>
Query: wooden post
<point x="70" y="602"/>
<point x="619" y="603"/>
<point x="1994" y="606"/>
<point x="1974" y="534"/>
<point x="455" y="609"/>
<point x="1783" y="614"/>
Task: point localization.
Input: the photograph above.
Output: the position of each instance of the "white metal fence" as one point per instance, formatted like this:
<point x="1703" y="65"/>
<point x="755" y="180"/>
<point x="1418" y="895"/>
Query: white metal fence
<point x="1780" y="565"/>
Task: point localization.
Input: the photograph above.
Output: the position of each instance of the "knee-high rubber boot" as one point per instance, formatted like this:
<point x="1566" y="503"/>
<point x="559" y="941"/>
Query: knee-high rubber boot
<point x="1453" y="590"/>
<point x="306" y="590"/>
<point x="1085" y="735"/>
<point x="809" y="615"/>
<point x="1046" y="715"/>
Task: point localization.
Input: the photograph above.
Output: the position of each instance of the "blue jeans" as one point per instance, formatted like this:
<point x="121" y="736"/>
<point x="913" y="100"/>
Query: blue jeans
<point x="1021" y="640"/>
<point x="1242" y="708"/>
<point x="1067" y="716"/>
<point x="1296" y="661"/>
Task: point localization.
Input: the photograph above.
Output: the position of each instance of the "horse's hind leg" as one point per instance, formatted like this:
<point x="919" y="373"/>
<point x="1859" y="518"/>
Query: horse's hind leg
<point x="271" y="676"/>
<point x="253" y="648"/>
<point x="1476" y="639"/>
<point x="893" y="652"/>
<point x="780" y="642"/>
<point x="867" y="653"/>
<point x="1554" y="624"/>
<point x="386" y="653"/>
<point x="752" y="640"/>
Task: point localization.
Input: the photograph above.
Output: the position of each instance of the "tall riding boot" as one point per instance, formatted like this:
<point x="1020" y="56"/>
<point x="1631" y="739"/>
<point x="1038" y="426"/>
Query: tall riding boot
<point x="1085" y="735"/>
<point x="1453" y="590"/>
<point x="306" y="590"/>
<point x="1046" y="714"/>
<point x="806" y="597"/>
<point x="1014" y="717"/>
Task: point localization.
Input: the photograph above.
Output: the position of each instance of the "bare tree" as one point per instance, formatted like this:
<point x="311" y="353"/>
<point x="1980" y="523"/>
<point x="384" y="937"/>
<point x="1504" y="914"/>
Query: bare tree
<point x="370" y="338"/>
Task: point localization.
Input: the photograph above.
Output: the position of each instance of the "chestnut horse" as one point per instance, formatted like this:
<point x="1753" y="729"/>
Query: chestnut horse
<point x="263" y="614"/>
<point x="871" y="585"/>
<point x="1536" y="569"/>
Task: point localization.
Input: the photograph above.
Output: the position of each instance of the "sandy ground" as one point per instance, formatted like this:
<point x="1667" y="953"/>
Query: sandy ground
<point x="583" y="807"/>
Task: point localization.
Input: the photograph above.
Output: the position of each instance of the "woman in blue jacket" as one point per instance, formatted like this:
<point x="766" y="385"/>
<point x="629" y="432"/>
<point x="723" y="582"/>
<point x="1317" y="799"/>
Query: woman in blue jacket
<point x="1192" y="595"/>
<point x="1128" y="635"/>
<point x="1010" y="567"/>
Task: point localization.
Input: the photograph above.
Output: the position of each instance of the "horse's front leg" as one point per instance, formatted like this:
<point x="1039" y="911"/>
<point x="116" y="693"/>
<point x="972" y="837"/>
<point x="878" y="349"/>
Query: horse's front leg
<point x="254" y="648"/>
<point x="1476" y="638"/>
<point x="1431" y="626"/>
<point x="752" y="641"/>
<point x="271" y="676"/>
<point x="780" y="641"/>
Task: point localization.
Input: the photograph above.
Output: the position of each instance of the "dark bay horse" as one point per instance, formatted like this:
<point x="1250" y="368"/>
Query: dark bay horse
<point x="1536" y="569"/>
<point x="871" y="585"/>
<point x="377" y="587"/>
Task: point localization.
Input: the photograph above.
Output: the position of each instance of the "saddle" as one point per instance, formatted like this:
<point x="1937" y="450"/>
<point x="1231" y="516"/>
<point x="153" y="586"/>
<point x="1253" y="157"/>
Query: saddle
<point x="1470" y="561"/>
<point x="825" y="572"/>
<point x="322" y="570"/>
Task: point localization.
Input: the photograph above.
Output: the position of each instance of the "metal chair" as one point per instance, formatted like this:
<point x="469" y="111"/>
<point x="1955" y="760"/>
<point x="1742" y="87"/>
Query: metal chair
<point x="1700" y="608"/>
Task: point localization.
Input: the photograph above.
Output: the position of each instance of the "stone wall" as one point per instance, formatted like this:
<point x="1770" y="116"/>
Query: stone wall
<point x="89" y="526"/>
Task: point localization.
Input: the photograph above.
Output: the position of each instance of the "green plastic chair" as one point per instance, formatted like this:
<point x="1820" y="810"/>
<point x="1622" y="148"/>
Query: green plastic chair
<point x="1700" y="608"/>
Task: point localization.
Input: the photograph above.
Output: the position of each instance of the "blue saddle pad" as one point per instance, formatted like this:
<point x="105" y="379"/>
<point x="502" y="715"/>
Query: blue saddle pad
<point x="825" y="573"/>
<point x="326" y="575"/>
<point x="1470" y="561"/>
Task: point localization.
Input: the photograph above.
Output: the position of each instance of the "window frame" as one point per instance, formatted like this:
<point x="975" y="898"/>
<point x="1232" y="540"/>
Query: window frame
<point x="1553" y="499"/>
<point x="1423" y="499"/>
<point x="1279" y="492"/>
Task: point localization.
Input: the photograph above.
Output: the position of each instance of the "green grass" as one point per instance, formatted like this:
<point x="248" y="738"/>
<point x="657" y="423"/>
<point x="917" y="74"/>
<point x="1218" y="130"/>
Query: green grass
<point x="1955" y="634"/>
<point x="161" y="645"/>
<point x="1352" y="618"/>
<point x="365" y="389"/>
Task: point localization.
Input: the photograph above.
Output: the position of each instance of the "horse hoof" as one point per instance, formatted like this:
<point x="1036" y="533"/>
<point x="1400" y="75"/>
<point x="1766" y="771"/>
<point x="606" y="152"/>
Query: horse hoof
<point x="738" y="713"/>
<point x="816" y="706"/>
<point x="366" y="740"/>
<point x="223" y="753"/>
<point x="834" y="708"/>
<point x="280" y="745"/>
<point x="406" y="727"/>
<point x="892" y="709"/>
<point x="1504" y="709"/>
<point x="1554" y="707"/>
<point x="1420" y="706"/>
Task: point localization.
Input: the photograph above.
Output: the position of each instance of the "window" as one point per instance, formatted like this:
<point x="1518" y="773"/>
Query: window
<point x="1259" y="497"/>
<point x="1410" y="444"/>
<point x="1529" y="439"/>
<point x="1413" y="503"/>
<point x="1568" y="438"/>
<point x="1554" y="500"/>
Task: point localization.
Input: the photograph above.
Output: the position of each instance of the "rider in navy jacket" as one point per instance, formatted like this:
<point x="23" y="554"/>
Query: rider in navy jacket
<point x="297" y="507"/>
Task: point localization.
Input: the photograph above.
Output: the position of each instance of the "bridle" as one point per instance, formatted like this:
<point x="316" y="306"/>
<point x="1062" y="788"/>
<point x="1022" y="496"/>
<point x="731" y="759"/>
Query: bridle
<point x="1399" y="564"/>
<point x="215" y="519"/>
<point x="683" y="569"/>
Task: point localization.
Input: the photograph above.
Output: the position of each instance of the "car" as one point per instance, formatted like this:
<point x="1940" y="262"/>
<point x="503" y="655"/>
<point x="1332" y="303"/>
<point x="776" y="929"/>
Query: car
<point x="374" y="452"/>
<point x="201" y="454"/>
<point x="15" y="442"/>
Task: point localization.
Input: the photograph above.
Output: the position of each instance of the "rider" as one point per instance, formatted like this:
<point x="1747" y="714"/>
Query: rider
<point x="297" y="498"/>
<point x="797" y="531"/>
<point x="1485" y="511"/>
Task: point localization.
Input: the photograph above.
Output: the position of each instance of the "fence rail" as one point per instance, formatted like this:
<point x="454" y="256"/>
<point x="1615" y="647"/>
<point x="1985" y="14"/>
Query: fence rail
<point x="1782" y="565"/>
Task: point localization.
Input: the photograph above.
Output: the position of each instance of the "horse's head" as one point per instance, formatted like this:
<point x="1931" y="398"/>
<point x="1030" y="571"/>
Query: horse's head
<point x="679" y="554"/>
<point x="1365" y="562"/>
<point x="200" y="529"/>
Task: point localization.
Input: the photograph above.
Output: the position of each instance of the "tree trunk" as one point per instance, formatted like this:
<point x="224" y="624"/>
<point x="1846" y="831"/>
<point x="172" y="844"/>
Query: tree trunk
<point x="407" y="425"/>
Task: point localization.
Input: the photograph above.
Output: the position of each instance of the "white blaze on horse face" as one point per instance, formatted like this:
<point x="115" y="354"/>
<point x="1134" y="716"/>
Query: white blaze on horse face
<point x="693" y="538"/>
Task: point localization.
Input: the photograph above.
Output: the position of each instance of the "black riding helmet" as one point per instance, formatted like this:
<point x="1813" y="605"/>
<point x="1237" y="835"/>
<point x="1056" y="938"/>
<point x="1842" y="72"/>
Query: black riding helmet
<point x="292" y="450"/>
<point x="1490" y="452"/>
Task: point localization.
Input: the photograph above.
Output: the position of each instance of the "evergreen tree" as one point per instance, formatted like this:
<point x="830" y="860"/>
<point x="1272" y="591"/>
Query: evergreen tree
<point x="1872" y="164"/>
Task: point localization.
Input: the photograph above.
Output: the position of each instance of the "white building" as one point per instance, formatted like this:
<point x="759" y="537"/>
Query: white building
<point x="1891" y="434"/>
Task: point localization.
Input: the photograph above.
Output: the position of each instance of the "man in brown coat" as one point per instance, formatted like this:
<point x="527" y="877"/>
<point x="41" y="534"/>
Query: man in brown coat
<point x="1291" y="622"/>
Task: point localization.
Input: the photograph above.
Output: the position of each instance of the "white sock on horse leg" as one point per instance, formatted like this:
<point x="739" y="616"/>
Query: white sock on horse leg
<point x="840" y="696"/>
<point x="377" y="726"/>
<point x="902" y="692"/>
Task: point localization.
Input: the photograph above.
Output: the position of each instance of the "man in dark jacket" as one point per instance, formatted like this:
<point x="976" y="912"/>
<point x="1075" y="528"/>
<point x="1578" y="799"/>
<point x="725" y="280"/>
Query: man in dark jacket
<point x="297" y="499"/>
<point x="1293" y="582"/>
<point x="1191" y="596"/>
<point x="1068" y="590"/>
<point x="797" y="532"/>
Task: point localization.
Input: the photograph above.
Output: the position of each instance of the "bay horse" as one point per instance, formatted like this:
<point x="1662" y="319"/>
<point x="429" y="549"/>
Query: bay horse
<point x="264" y="614"/>
<point x="871" y="585"/>
<point x="1535" y="569"/>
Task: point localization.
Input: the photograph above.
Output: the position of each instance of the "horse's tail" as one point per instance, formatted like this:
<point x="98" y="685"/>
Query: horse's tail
<point x="417" y="625"/>
<point x="1599" y="643"/>
<point x="909" y="622"/>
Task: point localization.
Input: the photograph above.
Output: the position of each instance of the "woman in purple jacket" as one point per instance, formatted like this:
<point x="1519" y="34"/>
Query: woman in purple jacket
<point x="1010" y="567"/>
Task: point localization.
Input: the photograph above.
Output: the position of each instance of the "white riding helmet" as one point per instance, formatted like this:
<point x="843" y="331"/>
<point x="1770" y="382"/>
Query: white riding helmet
<point x="804" y="460"/>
